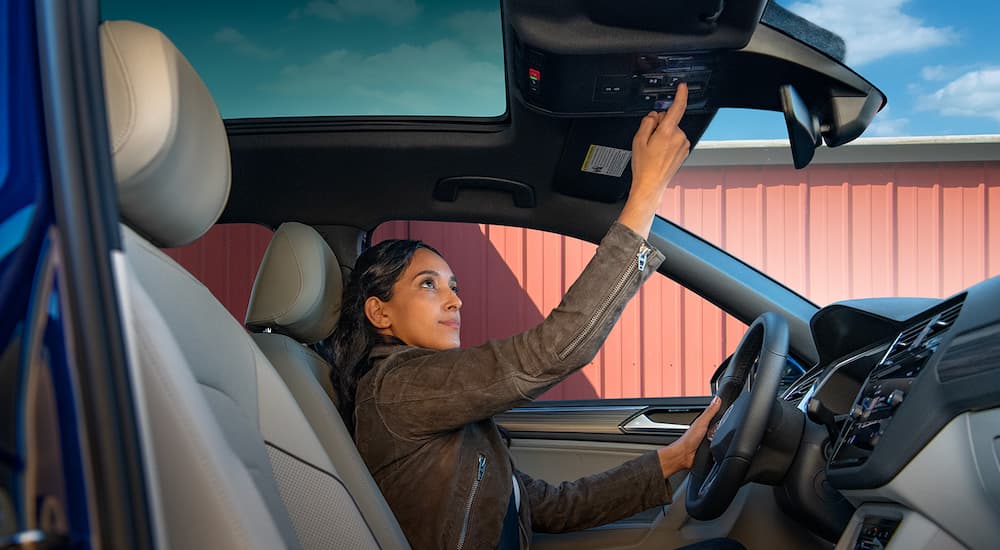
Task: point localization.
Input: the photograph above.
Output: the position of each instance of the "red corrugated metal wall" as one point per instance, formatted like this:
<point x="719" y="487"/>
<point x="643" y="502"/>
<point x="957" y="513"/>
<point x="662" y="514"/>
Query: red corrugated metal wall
<point x="226" y="259"/>
<point x="831" y="232"/>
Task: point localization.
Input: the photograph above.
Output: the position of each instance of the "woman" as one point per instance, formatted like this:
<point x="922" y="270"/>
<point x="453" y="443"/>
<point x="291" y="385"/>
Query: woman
<point x="421" y="408"/>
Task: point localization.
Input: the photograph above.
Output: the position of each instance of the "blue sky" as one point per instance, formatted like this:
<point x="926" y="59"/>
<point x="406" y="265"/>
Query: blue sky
<point x="939" y="64"/>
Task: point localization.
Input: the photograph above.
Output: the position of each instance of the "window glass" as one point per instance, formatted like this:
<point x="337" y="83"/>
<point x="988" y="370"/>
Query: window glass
<point x="337" y="57"/>
<point x="667" y="343"/>
<point x="912" y="208"/>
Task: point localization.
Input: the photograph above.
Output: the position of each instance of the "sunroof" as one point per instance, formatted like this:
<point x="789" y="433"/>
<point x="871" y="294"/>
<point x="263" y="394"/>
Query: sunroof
<point x="339" y="57"/>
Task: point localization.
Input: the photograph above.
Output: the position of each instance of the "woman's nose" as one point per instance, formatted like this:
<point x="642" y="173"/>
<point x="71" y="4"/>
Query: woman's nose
<point x="455" y="302"/>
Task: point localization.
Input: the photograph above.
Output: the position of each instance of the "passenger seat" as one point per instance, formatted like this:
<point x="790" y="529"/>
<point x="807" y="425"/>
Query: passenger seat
<point x="230" y="459"/>
<point x="296" y="301"/>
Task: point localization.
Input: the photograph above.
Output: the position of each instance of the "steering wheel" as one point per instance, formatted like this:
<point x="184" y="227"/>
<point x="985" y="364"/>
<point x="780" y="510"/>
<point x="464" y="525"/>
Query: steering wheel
<point x="747" y="389"/>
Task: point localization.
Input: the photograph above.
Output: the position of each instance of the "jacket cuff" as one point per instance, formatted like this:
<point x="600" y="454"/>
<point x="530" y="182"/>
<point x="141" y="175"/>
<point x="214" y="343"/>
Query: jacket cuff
<point x="658" y="489"/>
<point x="621" y="236"/>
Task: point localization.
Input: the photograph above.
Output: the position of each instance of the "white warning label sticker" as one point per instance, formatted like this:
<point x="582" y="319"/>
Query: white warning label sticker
<point x="606" y="161"/>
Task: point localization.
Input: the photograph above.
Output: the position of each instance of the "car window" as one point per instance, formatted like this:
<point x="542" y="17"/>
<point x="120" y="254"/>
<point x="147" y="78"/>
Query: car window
<point x="667" y="343"/>
<point x="908" y="209"/>
<point x="879" y="217"/>
<point x="320" y="58"/>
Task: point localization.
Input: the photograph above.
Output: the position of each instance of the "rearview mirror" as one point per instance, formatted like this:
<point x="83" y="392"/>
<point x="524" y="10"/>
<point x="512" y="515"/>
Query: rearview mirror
<point x="803" y="126"/>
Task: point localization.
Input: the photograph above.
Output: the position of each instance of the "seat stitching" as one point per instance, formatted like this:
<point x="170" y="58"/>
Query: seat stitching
<point x="130" y="123"/>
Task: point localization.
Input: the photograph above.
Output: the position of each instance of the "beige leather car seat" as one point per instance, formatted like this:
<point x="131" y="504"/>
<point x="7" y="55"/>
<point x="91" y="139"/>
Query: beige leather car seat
<point x="231" y="460"/>
<point x="296" y="301"/>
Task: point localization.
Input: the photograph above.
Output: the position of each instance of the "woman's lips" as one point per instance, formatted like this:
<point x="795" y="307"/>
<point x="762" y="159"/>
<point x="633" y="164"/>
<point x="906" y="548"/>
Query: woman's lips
<point x="455" y="324"/>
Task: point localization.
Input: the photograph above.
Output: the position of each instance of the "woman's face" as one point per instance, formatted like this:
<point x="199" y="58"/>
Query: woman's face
<point x="424" y="309"/>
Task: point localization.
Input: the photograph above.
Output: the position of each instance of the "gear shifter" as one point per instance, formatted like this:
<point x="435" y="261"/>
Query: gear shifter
<point x="819" y="414"/>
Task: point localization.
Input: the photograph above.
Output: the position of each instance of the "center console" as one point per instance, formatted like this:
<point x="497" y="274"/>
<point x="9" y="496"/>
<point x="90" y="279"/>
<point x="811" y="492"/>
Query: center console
<point x="887" y="387"/>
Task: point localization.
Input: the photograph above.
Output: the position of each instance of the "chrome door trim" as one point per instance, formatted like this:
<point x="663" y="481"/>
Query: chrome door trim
<point x="641" y="423"/>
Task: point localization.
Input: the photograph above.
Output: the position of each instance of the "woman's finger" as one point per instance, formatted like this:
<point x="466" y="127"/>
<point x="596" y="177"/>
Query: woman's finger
<point x="646" y="127"/>
<point x="676" y="110"/>
<point x="707" y="415"/>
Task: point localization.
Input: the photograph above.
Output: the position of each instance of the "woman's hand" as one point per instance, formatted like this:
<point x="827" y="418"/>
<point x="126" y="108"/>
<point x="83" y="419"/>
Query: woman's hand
<point x="679" y="455"/>
<point x="658" y="150"/>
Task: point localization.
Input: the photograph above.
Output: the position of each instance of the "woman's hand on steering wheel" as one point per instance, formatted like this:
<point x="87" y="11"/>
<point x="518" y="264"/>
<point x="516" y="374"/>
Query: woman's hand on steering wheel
<point x="679" y="455"/>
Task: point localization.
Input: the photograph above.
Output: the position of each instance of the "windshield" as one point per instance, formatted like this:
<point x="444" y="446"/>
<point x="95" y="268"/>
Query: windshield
<point x="909" y="209"/>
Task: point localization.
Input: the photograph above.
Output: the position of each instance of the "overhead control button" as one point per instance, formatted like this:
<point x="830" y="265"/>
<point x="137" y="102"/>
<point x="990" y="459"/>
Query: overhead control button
<point x="611" y="86"/>
<point x="653" y="80"/>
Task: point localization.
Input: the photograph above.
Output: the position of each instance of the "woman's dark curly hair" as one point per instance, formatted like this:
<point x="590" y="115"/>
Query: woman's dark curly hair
<point x="348" y="348"/>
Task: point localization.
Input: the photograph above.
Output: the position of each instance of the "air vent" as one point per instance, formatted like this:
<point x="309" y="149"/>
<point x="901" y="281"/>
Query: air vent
<point x="906" y="340"/>
<point x="800" y="388"/>
<point x="942" y="322"/>
<point x="922" y="335"/>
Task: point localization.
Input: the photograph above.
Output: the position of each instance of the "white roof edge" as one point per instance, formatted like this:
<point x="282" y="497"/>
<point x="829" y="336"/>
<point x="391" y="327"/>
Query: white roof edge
<point x="964" y="148"/>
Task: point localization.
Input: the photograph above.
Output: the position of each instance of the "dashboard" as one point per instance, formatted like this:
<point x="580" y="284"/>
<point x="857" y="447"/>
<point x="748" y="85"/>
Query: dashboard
<point x="910" y="389"/>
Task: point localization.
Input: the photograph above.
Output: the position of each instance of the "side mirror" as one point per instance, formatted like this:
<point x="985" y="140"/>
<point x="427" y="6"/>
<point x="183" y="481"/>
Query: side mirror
<point x="803" y="126"/>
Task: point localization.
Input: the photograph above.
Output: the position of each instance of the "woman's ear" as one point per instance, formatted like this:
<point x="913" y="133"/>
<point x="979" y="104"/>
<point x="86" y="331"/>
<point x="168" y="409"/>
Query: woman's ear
<point x="376" y="312"/>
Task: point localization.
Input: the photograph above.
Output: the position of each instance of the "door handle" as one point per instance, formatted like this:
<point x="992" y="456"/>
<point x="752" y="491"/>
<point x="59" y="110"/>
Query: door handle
<point x="642" y="423"/>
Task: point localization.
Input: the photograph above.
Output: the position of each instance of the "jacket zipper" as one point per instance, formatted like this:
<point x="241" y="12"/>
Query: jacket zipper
<point x="472" y="495"/>
<point x="638" y="263"/>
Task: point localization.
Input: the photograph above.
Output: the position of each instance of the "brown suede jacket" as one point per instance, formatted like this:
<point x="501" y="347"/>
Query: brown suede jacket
<point x="424" y="419"/>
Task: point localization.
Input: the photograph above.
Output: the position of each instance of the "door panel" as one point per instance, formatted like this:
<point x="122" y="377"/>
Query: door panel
<point x="567" y="440"/>
<point x="563" y="441"/>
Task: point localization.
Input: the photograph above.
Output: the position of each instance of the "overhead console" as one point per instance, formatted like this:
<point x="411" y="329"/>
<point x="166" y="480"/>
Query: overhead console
<point x="591" y="58"/>
<point x="613" y="84"/>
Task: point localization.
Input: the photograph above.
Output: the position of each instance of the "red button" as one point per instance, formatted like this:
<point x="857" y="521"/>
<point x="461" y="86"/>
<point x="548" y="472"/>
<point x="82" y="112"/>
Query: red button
<point x="534" y="74"/>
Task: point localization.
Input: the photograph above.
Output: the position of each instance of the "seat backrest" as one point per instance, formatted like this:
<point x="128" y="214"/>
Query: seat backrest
<point x="296" y="301"/>
<point x="231" y="460"/>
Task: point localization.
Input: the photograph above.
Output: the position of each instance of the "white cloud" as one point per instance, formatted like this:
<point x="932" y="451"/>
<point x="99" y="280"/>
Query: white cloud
<point x="389" y="11"/>
<point x="885" y="125"/>
<point x="934" y="72"/>
<point x="243" y="45"/>
<point x="975" y="93"/>
<point x="874" y="29"/>
<point x="443" y="77"/>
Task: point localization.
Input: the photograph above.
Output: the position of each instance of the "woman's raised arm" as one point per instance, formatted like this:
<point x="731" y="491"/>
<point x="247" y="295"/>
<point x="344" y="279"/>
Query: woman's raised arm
<point x="658" y="150"/>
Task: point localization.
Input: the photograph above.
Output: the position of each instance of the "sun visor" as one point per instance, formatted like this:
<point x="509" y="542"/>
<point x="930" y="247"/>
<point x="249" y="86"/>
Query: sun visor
<point x="596" y="160"/>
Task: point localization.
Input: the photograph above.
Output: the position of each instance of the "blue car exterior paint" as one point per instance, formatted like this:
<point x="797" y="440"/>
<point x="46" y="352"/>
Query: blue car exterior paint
<point x="39" y="441"/>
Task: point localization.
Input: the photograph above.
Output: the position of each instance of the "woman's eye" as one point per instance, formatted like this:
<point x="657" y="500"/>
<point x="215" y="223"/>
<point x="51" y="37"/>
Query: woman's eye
<point x="427" y="283"/>
<point x="454" y="289"/>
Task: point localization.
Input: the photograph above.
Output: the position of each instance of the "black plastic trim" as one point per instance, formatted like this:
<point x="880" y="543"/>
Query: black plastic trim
<point x="323" y="124"/>
<point x="447" y="189"/>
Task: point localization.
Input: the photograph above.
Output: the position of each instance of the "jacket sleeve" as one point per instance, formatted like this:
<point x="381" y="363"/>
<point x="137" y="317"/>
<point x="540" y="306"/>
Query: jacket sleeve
<point x="598" y="499"/>
<point x="424" y="393"/>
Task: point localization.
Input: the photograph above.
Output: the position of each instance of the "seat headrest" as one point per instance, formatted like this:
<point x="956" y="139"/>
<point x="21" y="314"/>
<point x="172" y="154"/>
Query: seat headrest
<point x="299" y="286"/>
<point x="168" y="142"/>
